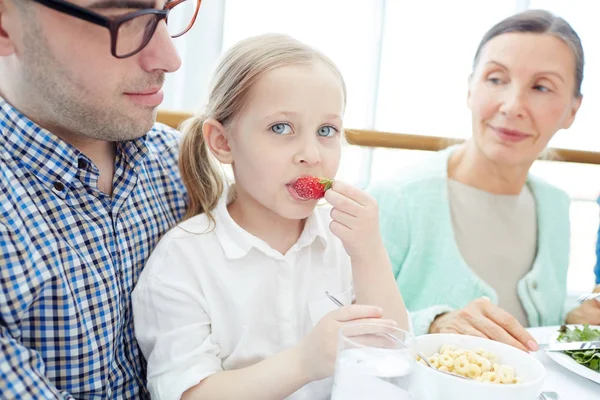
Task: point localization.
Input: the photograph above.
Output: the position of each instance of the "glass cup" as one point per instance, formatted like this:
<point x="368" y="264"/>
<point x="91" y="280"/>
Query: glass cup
<point x="374" y="361"/>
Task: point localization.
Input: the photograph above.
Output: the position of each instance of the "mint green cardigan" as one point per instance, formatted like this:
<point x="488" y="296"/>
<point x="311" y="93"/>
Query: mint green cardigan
<point x="430" y="271"/>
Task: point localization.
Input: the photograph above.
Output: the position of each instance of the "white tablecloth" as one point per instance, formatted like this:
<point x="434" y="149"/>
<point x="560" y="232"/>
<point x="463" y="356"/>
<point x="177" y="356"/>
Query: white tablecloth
<point x="567" y="384"/>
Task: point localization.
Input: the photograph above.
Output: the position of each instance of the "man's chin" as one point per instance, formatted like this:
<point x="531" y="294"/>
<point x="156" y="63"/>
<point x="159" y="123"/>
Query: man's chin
<point x="142" y="123"/>
<point x="124" y="129"/>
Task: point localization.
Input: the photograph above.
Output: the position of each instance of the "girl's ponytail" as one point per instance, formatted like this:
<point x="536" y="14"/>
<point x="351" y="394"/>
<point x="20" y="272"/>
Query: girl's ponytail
<point x="199" y="171"/>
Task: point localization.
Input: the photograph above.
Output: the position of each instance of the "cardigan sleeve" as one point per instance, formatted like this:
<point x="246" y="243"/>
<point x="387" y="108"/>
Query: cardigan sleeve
<point x="422" y="319"/>
<point x="395" y="230"/>
<point x="393" y="223"/>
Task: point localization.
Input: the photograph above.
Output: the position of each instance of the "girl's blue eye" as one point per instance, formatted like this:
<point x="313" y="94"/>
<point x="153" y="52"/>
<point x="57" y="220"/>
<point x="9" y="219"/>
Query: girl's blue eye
<point x="281" y="129"/>
<point x="326" y="131"/>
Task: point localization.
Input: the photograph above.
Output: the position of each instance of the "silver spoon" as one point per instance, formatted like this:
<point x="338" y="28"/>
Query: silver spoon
<point x="439" y="370"/>
<point x="340" y="304"/>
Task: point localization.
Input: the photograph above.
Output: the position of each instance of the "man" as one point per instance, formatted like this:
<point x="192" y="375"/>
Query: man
<point x="87" y="186"/>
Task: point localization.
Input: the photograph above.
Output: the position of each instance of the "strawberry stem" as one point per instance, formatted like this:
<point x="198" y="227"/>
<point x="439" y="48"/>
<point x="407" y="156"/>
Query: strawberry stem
<point x="326" y="182"/>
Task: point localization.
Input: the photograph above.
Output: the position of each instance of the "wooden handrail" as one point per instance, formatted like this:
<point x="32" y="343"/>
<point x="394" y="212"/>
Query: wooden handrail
<point x="172" y="118"/>
<point x="367" y="138"/>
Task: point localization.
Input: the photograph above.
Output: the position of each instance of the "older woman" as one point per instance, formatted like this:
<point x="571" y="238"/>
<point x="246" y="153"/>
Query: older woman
<point x="480" y="246"/>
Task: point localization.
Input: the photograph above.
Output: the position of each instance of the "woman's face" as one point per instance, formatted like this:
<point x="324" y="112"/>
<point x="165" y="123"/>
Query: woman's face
<point x="520" y="94"/>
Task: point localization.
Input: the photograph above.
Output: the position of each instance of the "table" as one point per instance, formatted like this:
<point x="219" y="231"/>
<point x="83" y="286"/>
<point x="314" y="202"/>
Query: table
<point x="567" y="384"/>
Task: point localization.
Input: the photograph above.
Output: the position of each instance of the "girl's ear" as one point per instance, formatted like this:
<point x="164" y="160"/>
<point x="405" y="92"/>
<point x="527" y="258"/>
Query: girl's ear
<point x="216" y="140"/>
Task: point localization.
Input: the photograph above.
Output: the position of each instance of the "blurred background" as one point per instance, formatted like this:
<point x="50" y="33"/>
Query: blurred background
<point x="406" y="64"/>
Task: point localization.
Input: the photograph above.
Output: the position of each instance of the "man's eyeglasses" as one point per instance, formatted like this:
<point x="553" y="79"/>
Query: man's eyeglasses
<point x="131" y="32"/>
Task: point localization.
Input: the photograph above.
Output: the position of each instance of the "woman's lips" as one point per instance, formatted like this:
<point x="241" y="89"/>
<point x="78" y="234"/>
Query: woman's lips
<point x="510" y="135"/>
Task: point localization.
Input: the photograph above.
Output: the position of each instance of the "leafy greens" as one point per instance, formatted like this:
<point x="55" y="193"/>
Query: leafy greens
<point x="589" y="358"/>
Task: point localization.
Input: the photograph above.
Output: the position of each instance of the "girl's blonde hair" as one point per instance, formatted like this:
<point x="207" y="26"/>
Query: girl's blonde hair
<point x="242" y="66"/>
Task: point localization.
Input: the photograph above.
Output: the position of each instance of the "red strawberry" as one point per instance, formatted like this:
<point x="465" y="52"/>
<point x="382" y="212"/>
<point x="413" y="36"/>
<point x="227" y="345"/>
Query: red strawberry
<point x="311" y="187"/>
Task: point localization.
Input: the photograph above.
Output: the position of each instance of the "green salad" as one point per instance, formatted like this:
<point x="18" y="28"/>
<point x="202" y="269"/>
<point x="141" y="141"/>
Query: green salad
<point x="589" y="358"/>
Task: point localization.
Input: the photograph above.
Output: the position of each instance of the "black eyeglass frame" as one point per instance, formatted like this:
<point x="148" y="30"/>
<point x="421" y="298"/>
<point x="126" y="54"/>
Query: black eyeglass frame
<point x="114" y="23"/>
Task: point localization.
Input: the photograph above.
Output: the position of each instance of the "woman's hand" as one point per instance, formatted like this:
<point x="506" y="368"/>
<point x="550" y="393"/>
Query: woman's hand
<point x="484" y="319"/>
<point x="587" y="313"/>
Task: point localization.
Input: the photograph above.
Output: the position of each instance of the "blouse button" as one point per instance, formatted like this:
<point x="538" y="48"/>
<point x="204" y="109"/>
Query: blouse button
<point x="534" y="285"/>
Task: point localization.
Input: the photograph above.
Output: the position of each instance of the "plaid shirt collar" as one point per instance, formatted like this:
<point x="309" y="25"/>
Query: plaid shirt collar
<point x="49" y="158"/>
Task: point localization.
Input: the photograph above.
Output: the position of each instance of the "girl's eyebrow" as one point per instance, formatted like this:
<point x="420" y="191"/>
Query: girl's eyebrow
<point x="291" y="114"/>
<point x="286" y="114"/>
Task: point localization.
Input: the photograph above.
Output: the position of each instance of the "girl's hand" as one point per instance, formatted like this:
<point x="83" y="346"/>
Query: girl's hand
<point x="355" y="216"/>
<point x="318" y="350"/>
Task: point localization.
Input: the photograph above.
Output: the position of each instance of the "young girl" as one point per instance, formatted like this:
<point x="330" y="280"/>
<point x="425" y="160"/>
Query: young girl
<point x="232" y="302"/>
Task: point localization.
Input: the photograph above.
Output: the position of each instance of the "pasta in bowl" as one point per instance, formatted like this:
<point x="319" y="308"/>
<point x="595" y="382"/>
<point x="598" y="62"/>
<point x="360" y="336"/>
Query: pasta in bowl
<point x="497" y="371"/>
<point x="479" y="364"/>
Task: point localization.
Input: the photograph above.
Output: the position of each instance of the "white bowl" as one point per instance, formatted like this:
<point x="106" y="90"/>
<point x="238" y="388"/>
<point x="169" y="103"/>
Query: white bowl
<point x="434" y="385"/>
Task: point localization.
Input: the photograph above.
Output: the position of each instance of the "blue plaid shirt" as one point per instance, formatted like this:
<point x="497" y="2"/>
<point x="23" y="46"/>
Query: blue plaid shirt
<point x="70" y="256"/>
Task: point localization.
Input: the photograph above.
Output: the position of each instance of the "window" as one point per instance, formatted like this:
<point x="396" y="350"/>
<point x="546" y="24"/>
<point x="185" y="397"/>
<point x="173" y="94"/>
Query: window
<point x="427" y="57"/>
<point x="406" y="65"/>
<point x="347" y="31"/>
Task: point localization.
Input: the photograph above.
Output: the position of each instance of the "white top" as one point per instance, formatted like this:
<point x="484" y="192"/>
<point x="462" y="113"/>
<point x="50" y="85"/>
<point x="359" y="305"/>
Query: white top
<point x="224" y="299"/>
<point x="497" y="237"/>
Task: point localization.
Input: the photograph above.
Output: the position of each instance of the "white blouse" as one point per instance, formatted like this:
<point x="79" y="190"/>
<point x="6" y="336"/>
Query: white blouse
<point x="497" y="237"/>
<point x="224" y="299"/>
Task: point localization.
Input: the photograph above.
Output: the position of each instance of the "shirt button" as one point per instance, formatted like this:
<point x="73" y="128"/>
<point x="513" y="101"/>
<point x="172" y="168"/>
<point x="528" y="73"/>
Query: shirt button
<point x="534" y="285"/>
<point x="59" y="187"/>
<point x="82" y="164"/>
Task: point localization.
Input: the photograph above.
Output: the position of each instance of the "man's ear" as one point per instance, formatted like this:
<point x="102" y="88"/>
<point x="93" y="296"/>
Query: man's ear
<point x="9" y="22"/>
<point x="216" y="140"/>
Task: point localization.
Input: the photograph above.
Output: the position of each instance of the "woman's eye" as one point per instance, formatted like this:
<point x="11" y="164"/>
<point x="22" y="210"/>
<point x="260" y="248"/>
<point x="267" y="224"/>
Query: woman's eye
<point x="494" y="80"/>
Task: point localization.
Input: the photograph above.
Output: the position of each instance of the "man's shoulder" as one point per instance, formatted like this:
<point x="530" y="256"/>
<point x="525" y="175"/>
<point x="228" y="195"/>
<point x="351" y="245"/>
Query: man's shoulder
<point x="15" y="242"/>
<point x="9" y="184"/>
<point x="162" y="157"/>
<point x="163" y="140"/>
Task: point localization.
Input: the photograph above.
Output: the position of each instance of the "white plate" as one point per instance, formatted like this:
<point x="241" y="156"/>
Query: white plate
<point x="570" y="364"/>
